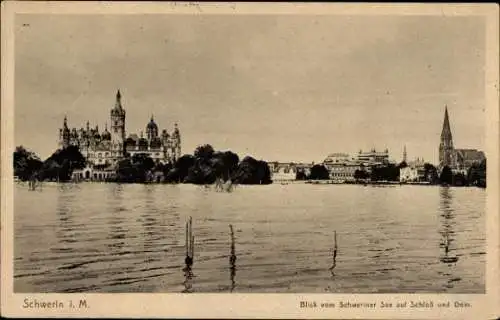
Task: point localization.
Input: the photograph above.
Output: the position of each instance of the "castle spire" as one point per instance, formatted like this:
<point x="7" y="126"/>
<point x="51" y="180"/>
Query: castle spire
<point x="118" y="103"/>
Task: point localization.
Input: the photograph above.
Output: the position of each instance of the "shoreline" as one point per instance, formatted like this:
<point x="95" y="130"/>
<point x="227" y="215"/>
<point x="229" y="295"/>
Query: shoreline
<point x="278" y="182"/>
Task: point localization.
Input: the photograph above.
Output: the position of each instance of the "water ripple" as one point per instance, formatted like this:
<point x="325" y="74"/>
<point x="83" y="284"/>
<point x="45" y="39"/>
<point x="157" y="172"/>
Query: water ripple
<point x="130" y="238"/>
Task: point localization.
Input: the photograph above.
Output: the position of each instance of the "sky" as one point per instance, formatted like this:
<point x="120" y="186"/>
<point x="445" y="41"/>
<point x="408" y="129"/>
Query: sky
<point x="291" y="88"/>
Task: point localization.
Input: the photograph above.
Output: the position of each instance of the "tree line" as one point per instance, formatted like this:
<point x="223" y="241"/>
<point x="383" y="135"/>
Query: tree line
<point x="58" y="167"/>
<point x="475" y="176"/>
<point x="204" y="166"/>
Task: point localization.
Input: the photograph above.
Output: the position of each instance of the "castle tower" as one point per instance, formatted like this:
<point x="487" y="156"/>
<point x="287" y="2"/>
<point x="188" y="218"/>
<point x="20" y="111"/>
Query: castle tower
<point x="117" y="127"/>
<point x="446" y="150"/>
<point x="176" y="143"/>
<point x="64" y="134"/>
<point x="151" y="129"/>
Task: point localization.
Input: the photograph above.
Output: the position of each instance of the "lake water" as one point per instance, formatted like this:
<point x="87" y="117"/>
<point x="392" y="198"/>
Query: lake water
<point x="130" y="238"/>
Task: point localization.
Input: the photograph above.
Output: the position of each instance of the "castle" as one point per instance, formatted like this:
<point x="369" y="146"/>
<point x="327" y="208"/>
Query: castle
<point x="458" y="160"/>
<point x="105" y="149"/>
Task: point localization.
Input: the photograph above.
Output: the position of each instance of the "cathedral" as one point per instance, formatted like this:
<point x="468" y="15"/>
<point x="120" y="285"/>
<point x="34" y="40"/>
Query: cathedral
<point x="106" y="148"/>
<point x="458" y="160"/>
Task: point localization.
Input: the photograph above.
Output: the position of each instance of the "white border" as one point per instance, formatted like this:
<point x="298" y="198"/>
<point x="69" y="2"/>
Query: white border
<point x="249" y="305"/>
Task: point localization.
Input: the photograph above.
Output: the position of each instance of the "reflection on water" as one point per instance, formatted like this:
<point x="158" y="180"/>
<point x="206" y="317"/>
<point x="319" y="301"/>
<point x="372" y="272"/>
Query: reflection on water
<point x="66" y="224"/>
<point x="447" y="225"/>
<point x="447" y="237"/>
<point x="232" y="260"/>
<point x="188" y="279"/>
<point x="131" y="238"/>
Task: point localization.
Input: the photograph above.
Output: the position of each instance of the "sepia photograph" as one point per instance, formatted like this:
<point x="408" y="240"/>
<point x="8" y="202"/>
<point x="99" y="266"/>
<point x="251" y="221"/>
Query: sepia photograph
<point x="268" y="152"/>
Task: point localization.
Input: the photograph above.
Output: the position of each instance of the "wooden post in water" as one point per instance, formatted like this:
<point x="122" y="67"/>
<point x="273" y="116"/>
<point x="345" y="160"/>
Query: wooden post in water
<point x="232" y="259"/>
<point x="334" y="251"/>
<point x="192" y="248"/>
<point x="189" y="243"/>
<point x="188" y="273"/>
<point x="187" y="239"/>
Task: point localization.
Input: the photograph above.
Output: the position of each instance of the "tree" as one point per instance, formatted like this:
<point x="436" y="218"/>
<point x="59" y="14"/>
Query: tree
<point x="361" y="175"/>
<point x="201" y="173"/>
<point x="459" y="179"/>
<point x="476" y="174"/>
<point x="143" y="161"/>
<point x="319" y="172"/>
<point x="300" y="174"/>
<point x="389" y="172"/>
<point x="204" y="152"/>
<point x="135" y="169"/>
<point x="126" y="171"/>
<point x="224" y="164"/>
<point x="430" y="173"/>
<point x="446" y="176"/>
<point x="26" y="163"/>
<point x="50" y="170"/>
<point x="180" y="169"/>
<point x="60" y="165"/>
<point x="252" y="171"/>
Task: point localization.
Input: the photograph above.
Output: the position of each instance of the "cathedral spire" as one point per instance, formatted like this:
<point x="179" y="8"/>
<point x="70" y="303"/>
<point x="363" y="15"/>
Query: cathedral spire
<point x="404" y="153"/>
<point x="446" y="150"/>
<point x="446" y="132"/>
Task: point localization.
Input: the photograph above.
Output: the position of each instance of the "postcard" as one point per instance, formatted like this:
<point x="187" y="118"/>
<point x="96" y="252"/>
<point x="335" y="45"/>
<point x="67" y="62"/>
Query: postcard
<point x="250" y="160"/>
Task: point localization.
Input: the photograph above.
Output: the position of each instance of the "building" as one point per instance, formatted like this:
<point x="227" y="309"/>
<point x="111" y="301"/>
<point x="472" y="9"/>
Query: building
<point x="465" y="158"/>
<point x="286" y="171"/>
<point x="413" y="172"/>
<point x="106" y="148"/>
<point x="446" y="149"/>
<point x="459" y="160"/>
<point x="373" y="157"/>
<point x="342" y="166"/>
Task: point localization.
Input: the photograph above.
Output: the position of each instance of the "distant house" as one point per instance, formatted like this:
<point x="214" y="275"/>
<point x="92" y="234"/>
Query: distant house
<point x="285" y="171"/>
<point x="93" y="173"/>
<point x="343" y="167"/>
<point x="374" y="157"/>
<point x="414" y="172"/>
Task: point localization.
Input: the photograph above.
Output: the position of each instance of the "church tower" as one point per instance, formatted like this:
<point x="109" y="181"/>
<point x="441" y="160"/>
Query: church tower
<point x="446" y="150"/>
<point x="117" y="127"/>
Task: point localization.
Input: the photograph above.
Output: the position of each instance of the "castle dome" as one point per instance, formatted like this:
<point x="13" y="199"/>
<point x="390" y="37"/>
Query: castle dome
<point x="106" y="135"/>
